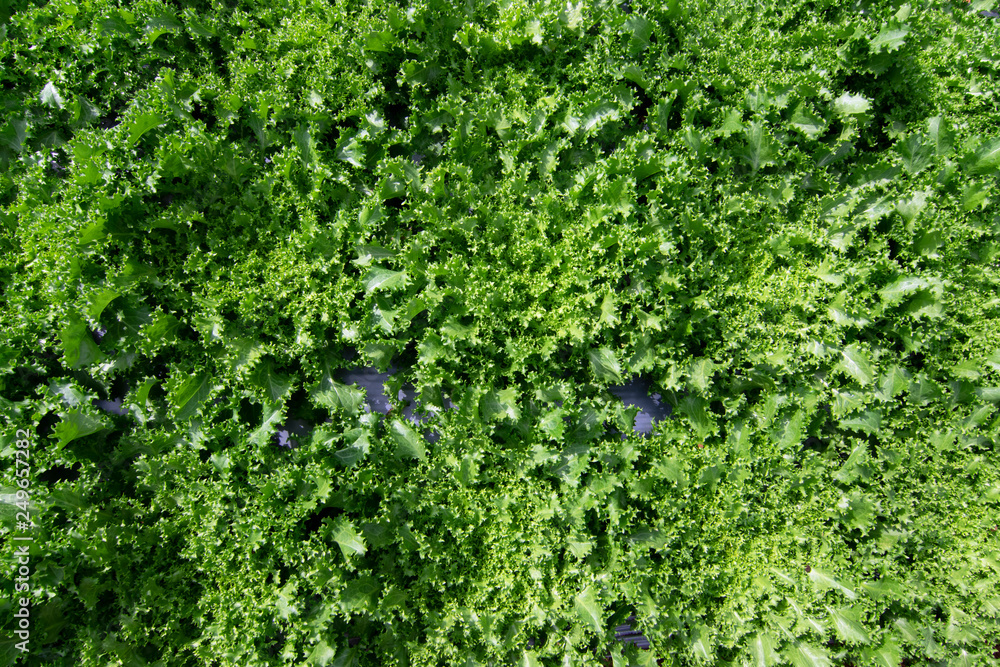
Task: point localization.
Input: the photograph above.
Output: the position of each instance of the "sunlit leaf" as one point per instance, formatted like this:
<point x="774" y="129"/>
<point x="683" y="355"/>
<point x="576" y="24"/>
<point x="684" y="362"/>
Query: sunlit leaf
<point x="763" y="650"/>
<point x="889" y="38"/>
<point x="189" y="394"/>
<point x="851" y="105"/>
<point x="409" y="443"/>
<point x="802" y="654"/>
<point x="824" y="581"/>
<point x="351" y="543"/>
<point x="379" y="278"/>
<point x="856" y="364"/>
<point x="605" y="365"/>
<point x="74" y="425"/>
<point x="50" y="97"/>
<point x="589" y="610"/>
<point x="143" y="124"/>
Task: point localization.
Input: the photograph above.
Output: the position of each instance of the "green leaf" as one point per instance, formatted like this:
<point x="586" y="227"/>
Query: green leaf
<point x="663" y="112"/>
<point x="763" y="650"/>
<point x="141" y="125"/>
<point x="589" y="611"/>
<point x="499" y="405"/>
<point x="304" y="142"/>
<point x="159" y="25"/>
<point x="887" y="655"/>
<point x="75" y="425"/>
<point x="824" y="272"/>
<point x="701" y="373"/>
<point x="99" y="302"/>
<point x="358" y="595"/>
<point x="847" y="627"/>
<point x="854" y="465"/>
<point x="695" y="409"/>
<point x="808" y="123"/>
<point x="851" y="105"/>
<point x="991" y="607"/>
<point x="549" y="157"/>
<point x="580" y="549"/>
<point x="759" y="149"/>
<point x="356" y="451"/>
<point x="380" y="41"/>
<point x="732" y="122"/>
<point x="870" y="421"/>
<point x="368" y="253"/>
<point x="50" y="97"/>
<point x="641" y="30"/>
<point x="552" y="423"/>
<point x="384" y="317"/>
<point x="928" y="243"/>
<point x="351" y="543"/>
<point x="119" y="21"/>
<point x="351" y="152"/>
<point x="14" y="134"/>
<point x="974" y="195"/>
<point x="259" y="127"/>
<point x="923" y="390"/>
<point x="275" y="386"/>
<point x="966" y="369"/>
<point x="379" y="278"/>
<point x="987" y="158"/>
<point x="925" y="303"/>
<point x="220" y="461"/>
<point x="273" y="415"/>
<point x="993" y="361"/>
<point x="911" y="208"/>
<point x="823" y="581"/>
<point x="197" y="27"/>
<point x="964" y="659"/>
<point x="917" y="155"/>
<point x="940" y="135"/>
<point x="89" y="589"/>
<point x="321" y="655"/>
<point x="802" y="654"/>
<point x="187" y="396"/>
<point x="332" y="394"/>
<point x="895" y="292"/>
<point x="960" y="631"/>
<point x="380" y="355"/>
<point x="142" y="393"/>
<point x="605" y="365"/>
<point x="70" y="394"/>
<point x="597" y="114"/>
<point x="886" y="587"/>
<point x="699" y="643"/>
<point x="78" y="346"/>
<point x="991" y="394"/>
<point x="409" y="443"/>
<point x="242" y="351"/>
<point x="907" y="631"/>
<point x="889" y="39"/>
<point x="856" y="365"/>
<point x="648" y="539"/>
<point x="528" y="659"/>
<point x="788" y="431"/>
<point x="895" y="381"/>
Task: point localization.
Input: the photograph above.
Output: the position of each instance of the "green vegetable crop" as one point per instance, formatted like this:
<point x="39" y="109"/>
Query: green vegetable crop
<point x="780" y="216"/>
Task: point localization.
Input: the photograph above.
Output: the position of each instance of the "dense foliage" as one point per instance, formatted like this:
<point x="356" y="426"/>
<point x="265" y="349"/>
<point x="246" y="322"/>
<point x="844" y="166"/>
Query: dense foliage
<point x="782" y="215"/>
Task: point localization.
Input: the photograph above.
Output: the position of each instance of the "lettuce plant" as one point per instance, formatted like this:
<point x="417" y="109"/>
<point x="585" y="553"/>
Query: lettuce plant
<point x="780" y="216"/>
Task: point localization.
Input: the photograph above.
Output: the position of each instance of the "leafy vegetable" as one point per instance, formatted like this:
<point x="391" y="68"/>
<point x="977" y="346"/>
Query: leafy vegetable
<point x="777" y="224"/>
